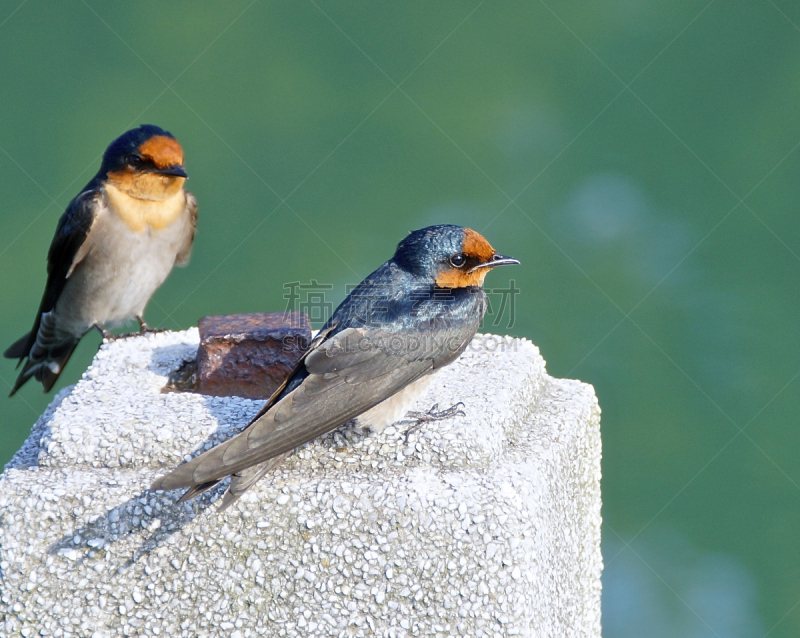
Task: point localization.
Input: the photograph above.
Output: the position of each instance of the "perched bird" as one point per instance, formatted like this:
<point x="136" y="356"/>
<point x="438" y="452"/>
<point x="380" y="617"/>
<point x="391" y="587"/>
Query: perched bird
<point x="114" y="246"/>
<point x="372" y="359"/>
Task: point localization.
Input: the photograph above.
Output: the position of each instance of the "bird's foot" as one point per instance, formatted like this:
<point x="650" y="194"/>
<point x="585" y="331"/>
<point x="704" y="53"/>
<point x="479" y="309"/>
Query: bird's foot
<point x="145" y="329"/>
<point x="433" y="415"/>
<point x="107" y="336"/>
<point x="111" y="337"/>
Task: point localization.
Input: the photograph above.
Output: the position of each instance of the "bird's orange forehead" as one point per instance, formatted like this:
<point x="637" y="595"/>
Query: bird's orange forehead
<point x="475" y="245"/>
<point x="162" y="150"/>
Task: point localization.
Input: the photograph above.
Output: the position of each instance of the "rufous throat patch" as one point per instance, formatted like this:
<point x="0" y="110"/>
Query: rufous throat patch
<point x="456" y="278"/>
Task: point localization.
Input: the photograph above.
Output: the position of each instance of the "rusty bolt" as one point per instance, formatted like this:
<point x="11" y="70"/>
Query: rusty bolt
<point x="249" y="355"/>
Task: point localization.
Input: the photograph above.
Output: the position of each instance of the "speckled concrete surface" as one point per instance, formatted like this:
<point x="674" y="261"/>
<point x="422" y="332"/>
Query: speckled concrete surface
<point x="486" y="524"/>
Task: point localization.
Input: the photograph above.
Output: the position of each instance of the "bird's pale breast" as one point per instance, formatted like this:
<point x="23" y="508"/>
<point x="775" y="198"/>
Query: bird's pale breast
<point x="395" y="407"/>
<point x="126" y="260"/>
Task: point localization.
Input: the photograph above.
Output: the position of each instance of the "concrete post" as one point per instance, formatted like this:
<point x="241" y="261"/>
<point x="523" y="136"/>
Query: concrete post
<point x="486" y="524"/>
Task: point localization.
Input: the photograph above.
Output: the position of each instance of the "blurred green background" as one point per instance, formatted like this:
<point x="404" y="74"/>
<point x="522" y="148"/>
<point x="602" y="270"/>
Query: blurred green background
<point x="640" y="158"/>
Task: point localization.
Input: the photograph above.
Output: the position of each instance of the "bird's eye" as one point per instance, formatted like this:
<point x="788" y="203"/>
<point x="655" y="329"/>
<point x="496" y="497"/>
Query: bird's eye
<point x="134" y="161"/>
<point x="458" y="260"/>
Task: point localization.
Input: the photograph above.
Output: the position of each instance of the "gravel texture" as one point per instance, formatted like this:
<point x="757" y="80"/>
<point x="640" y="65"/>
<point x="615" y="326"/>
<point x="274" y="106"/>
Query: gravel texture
<point x="486" y="524"/>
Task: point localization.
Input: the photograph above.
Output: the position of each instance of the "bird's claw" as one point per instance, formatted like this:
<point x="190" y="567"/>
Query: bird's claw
<point x="111" y="337"/>
<point x="433" y="415"/>
<point x="145" y="329"/>
<point x="150" y="331"/>
<point x="107" y="336"/>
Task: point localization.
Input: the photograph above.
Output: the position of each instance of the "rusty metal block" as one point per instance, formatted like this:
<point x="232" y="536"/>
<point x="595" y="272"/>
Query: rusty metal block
<point x="249" y="355"/>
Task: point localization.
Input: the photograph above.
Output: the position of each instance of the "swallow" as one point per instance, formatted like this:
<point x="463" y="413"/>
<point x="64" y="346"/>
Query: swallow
<point x="373" y="358"/>
<point x="114" y="246"/>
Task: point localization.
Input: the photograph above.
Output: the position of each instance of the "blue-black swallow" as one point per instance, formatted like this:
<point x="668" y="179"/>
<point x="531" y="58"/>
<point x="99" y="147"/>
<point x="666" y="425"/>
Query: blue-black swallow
<point x="114" y="246"/>
<point x="374" y="357"/>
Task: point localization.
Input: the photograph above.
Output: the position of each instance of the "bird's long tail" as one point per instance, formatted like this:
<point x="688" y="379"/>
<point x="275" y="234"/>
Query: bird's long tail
<point x="244" y="480"/>
<point x="20" y="348"/>
<point x="240" y="481"/>
<point x="46" y="355"/>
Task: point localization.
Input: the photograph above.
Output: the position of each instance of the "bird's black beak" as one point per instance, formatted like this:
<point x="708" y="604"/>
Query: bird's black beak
<point x="175" y="171"/>
<point x="496" y="260"/>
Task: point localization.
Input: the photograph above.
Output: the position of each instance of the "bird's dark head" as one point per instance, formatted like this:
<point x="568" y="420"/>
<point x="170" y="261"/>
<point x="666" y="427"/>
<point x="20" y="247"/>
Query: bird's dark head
<point x="146" y="163"/>
<point x="449" y="256"/>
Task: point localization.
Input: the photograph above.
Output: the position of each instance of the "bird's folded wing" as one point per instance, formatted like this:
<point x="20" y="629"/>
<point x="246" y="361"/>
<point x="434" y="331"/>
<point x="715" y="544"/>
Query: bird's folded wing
<point x="69" y="244"/>
<point x="182" y="258"/>
<point x="348" y="373"/>
<point x="68" y="248"/>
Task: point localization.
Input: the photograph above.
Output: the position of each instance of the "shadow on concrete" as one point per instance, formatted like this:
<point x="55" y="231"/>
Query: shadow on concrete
<point x="154" y="516"/>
